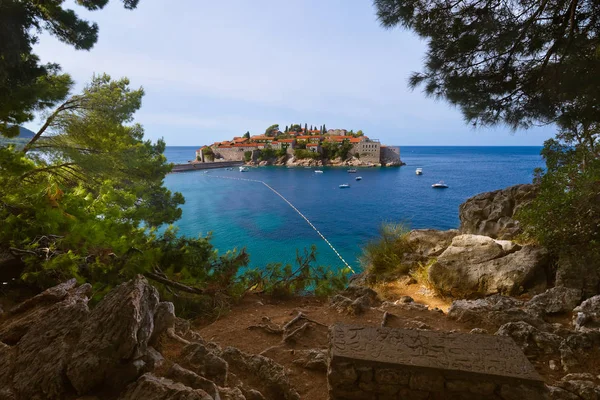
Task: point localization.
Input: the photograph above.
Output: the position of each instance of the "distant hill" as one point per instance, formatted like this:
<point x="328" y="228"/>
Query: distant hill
<point x="25" y="133"/>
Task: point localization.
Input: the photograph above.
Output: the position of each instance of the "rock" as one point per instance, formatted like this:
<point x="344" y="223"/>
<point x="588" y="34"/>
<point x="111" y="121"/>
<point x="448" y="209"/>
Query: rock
<point x="532" y="341"/>
<point x="492" y="213"/>
<point x="253" y="394"/>
<point x="576" y="348"/>
<point x="153" y="359"/>
<point x="495" y="310"/>
<point x="18" y="320"/>
<point x="206" y="362"/>
<point x="405" y="299"/>
<point x="585" y="389"/>
<point x="114" y="338"/>
<point x="555" y="300"/>
<point x="151" y="387"/>
<point x="479" y="331"/>
<point x="272" y="375"/>
<point x="231" y="394"/>
<point x="44" y="352"/>
<point x="553" y="365"/>
<point x="578" y="271"/>
<point x="430" y="242"/>
<point x="164" y="318"/>
<point x="475" y="266"/>
<point x="587" y="315"/>
<point x="7" y="360"/>
<point x="315" y="359"/>
<point x="556" y="393"/>
<point x="193" y="380"/>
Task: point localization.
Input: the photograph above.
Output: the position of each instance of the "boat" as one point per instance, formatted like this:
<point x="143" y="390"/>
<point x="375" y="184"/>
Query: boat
<point x="419" y="171"/>
<point x="318" y="171"/>
<point x="230" y="169"/>
<point x="358" y="178"/>
<point x="351" y="171"/>
<point x="244" y="169"/>
<point x="344" y="186"/>
<point x="439" y="185"/>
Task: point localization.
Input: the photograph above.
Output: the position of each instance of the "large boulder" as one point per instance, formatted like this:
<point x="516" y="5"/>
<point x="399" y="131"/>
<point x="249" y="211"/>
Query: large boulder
<point x="532" y="341"/>
<point x="476" y="266"/>
<point x="114" y="339"/>
<point x="556" y="300"/>
<point x="426" y="243"/>
<point x="492" y="213"/>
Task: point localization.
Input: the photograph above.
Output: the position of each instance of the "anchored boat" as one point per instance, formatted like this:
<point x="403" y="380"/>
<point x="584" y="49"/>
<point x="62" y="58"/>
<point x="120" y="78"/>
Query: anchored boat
<point x="439" y="185"/>
<point x="351" y="171"/>
<point x="419" y="171"/>
<point x="318" y="171"/>
<point x="244" y="169"/>
<point x="358" y="178"/>
<point x="344" y="186"/>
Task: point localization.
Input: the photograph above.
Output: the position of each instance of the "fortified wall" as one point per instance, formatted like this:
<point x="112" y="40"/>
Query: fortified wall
<point x="368" y="151"/>
<point x="370" y="363"/>
<point x="390" y="155"/>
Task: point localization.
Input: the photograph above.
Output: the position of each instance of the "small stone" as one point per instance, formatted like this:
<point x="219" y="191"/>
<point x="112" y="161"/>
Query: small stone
<point x="479" y="331"/>
<point x="553" y="365"/>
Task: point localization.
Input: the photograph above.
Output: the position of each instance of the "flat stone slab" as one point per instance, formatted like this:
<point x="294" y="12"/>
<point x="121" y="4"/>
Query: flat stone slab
<point x="460" y="354"/>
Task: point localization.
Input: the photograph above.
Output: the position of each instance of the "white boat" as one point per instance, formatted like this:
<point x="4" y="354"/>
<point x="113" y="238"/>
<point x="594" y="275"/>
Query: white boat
<point x="318" y="171"/>
<point x="419" y="171"/>
<point x="351" y="171"/>
<point x="244" y="169"/>
<point x="344" y="186"/>
<point x="439" y="185"/>
<point x="358" y="178"/>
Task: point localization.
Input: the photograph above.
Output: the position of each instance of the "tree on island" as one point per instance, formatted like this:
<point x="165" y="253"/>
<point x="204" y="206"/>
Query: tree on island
<point x="27" y="85"/>
<point x="272" y="130"/>
<point x="286" y="129"/>
<point x="524" y="64"/>
<point x="247" y="135"/>
<point x="295" y="128"/>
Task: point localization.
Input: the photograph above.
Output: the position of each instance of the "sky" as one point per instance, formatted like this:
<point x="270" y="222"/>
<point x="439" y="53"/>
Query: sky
<point x="214" y="70"/>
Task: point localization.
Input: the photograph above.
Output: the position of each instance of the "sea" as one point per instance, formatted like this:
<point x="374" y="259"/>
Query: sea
<point x="244" y="214"/>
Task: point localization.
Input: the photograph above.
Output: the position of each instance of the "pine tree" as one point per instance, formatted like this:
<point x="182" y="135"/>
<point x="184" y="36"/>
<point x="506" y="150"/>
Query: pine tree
<point x="286" y="129"/>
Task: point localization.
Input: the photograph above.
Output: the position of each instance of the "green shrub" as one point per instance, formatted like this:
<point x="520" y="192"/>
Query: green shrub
<point x="301" y="154"/>
<point x="247" y="156"/>
<point x="283" y="280"/>
<point x="382" y="257"/>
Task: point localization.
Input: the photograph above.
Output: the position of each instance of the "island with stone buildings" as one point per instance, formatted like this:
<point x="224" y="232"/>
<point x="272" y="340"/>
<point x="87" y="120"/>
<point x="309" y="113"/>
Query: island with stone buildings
<point x="298" y="146"/>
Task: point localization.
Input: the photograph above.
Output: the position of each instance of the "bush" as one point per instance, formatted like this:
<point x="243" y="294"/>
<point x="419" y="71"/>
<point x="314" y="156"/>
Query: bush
<point x="382" y="258"/>
<point x="247" y="156"/>
<point x="301" y="154"/>
<point x="283" y="280"/>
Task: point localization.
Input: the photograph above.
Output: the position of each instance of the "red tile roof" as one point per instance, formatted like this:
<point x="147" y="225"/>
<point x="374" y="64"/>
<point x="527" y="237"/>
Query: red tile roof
<point x="312" y="145"/>
<point x="287" y="140"/>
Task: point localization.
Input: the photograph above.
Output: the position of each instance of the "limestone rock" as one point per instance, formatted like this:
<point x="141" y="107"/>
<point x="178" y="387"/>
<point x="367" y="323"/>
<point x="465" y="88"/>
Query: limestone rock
<point x="193" y="380"/>
<point x="495" y="310"/>
<point x="492" y="213"/>
<point x="164" y="318"/>
<point x="45" y="350"/>
<point x="231" y="394"/>
<point x="151" y="387"/>
<point x="115" y="338"/>
<point x="315" y="359"/>
<point x="531" y="340"/>
<point x="585" y="389"/>
<point x="206" y="362"/>
<point x="555" y="300"/>
<point x="475" y="266"/>
<point x="587" y="315"/>
<point x="272" y="375"/>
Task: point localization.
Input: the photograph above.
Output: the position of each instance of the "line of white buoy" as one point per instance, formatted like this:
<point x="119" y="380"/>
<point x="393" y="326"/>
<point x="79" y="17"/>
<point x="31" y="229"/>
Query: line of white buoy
<point x="294" y="208"/>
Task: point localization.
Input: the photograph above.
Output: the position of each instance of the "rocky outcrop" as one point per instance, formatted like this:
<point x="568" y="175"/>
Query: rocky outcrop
<point x="492" y="213"/>
<point x="151" y="387"/>
<point x="114" y="339"/>
<point x="475" y="266"/>
<point x="555" y="300"/>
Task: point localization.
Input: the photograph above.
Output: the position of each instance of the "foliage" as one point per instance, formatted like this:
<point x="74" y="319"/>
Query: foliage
<point x="283" y="280"/>
<point x="333" y="149"/>
<point x="302" y="153"/>
<point x="272" y="130"/>
<point x="359" y="133"/>
<point x="247" y="135"/>
<point x="295" y="128"/>
<point x="421" y="273"/>
<point x="514" y="62"/>
<point x="26" y="85"/>
<point x="267" y="153"/>
<point x="208" y="153"/>
<point x="382" y="257"/>
<point x="247" y="156"/>
<point x="565" y="215"/>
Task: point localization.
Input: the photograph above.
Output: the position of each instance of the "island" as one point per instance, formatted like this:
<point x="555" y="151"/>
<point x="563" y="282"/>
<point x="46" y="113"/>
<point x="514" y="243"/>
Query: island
<point x="298" y="146"/>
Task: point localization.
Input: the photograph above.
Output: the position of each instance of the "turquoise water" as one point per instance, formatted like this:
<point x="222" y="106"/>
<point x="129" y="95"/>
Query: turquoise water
<point x="247" y="214"/>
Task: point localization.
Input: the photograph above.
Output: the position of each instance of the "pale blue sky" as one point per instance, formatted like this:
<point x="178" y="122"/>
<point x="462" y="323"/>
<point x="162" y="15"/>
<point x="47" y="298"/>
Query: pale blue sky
<point x="213" y="70"/>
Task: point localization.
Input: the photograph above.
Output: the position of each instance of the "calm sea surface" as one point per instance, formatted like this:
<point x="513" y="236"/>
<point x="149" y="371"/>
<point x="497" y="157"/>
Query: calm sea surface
<point x="247" y="214"/>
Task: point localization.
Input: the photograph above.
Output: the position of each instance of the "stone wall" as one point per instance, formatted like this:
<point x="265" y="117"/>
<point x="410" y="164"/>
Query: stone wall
<point x="390" y="155"/>
<point x="369" y="363"/>
<point x="231" y="153"/>
<point x="368" y="151"/>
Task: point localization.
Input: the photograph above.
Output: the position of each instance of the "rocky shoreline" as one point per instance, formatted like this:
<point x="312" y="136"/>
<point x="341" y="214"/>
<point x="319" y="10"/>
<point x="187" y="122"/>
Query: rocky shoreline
<point x="292" y="161"/>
